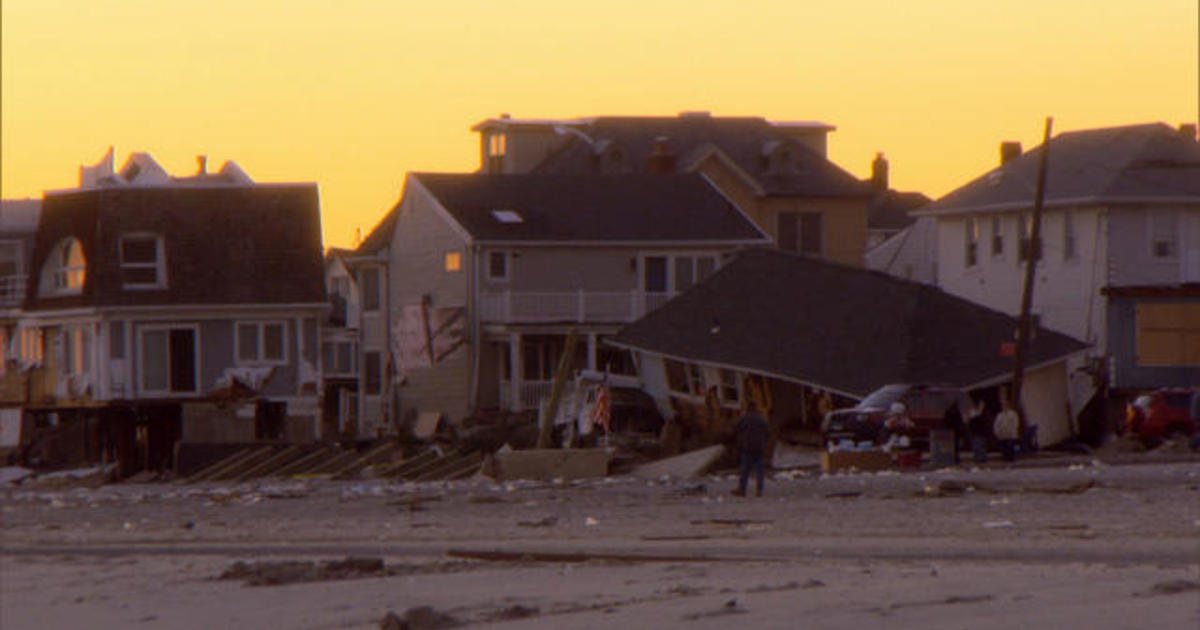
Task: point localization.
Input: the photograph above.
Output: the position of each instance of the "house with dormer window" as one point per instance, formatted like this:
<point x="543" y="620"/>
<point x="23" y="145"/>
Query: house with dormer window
<point x="489" y="276"/>
<point x="148" y="291"/>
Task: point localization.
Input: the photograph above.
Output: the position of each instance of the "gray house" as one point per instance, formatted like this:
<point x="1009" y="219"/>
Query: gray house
<point x="489" y="274"/>
<point x="148" y="291"/>
<point x="1120" y="249"/>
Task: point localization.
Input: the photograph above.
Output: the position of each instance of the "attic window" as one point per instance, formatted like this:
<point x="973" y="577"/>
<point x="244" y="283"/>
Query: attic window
<point x="507" y="216"/>
<point x="142" y="261"/>
<point x="65" y="269"/>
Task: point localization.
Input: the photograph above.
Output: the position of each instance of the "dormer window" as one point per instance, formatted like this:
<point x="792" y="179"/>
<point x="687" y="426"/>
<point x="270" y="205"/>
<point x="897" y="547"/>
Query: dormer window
<point x="65" y="269"/>
<point x="142" y="262"/>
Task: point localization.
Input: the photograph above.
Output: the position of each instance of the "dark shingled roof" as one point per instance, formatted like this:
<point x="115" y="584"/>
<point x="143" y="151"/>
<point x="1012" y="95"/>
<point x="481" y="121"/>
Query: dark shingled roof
<point x="833" y="326"/>
<point x="224" y="244"/>
<point x="889" y="210"/>
<point x="646" y="208"/>
<point x="1111" y="165"/>
<point x="741" y="139"/>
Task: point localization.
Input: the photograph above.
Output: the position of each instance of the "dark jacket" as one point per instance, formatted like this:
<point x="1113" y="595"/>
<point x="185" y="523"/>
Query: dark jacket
<point x="753" y="432"/>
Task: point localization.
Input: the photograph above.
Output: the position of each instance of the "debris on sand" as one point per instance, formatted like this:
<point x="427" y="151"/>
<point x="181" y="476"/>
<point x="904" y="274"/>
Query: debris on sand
<point x="418" y="618"/>
<point x="549" y="521"/>
<point x="293" y="571"/>
<point x="1172" y="587"/>
<point x="731" y="607"/>
<point x="516" y="611"/>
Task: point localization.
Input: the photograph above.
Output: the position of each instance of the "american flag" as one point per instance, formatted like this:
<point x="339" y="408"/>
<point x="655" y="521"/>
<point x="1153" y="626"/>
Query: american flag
<point x="600" y="411"/>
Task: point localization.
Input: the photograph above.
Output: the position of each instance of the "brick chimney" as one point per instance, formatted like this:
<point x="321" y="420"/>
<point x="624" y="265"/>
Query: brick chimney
<point x="879" y="173"/>
<point x="202" y="165"/>
<point x="661" y="159"/>
<point x="1009" y="151"/>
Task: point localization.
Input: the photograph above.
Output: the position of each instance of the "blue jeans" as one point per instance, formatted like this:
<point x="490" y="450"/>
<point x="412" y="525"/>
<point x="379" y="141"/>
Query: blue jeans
<point x="751" y="461"/>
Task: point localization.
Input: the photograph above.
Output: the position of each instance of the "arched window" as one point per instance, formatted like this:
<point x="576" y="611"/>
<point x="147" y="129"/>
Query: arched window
<point x="65" y="269"/>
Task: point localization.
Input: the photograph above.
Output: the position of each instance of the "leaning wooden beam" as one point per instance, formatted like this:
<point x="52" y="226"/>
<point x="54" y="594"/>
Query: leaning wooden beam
<point x="378" y="454"/>
<point x="231" y="473"/>
<point x="207" y="473"/>
<point x="291" y="453"/>
<point x="305" y="462"/>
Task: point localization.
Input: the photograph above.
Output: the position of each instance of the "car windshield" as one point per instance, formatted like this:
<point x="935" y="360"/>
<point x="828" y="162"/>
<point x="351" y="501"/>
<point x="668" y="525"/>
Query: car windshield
<point x="884" y="396"/>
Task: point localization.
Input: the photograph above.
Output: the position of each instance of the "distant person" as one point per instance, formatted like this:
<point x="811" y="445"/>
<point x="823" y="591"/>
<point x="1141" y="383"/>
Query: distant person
<point x="897" y="425"/>
<point x="979" y="425"/>
<point x="1007" y="429"/>
<point x="753" y="433"/>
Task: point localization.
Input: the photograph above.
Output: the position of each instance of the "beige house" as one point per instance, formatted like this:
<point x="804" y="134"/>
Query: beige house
<point x="777" y="173"/>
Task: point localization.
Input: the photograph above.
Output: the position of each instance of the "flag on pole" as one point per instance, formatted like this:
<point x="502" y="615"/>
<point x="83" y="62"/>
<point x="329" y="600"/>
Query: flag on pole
<point x="600" y="411"/>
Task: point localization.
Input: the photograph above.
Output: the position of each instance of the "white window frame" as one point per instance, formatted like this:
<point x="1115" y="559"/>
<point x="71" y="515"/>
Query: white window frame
<point x="141" y="365"/>
<point x="57" y="274"/>
<point x="997" y="237"/>
<point x="1170" y="217"/>
<point x="260" y="357"/>
<point x="1070" y="243"/>
<point x="971" y="244"/>
<point x="159" y="265"/>
<point x="670" y="256"/>
<point x="508" y="257"/>
<point x="334" y="345"/>
<point x="18" y="259"/>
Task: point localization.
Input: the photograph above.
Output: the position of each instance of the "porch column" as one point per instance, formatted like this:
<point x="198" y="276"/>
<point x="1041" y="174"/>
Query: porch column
<point x="591" y="357"/>
<point x="515" y="367"/>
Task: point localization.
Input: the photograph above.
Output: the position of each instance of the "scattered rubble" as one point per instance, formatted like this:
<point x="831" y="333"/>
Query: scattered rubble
<point x="418" y="618"/>
<point x="293" y="571"/>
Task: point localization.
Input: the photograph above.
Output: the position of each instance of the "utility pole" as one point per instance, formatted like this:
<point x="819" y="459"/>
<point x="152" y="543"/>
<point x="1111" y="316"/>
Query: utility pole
<point x="1024" y="323"/>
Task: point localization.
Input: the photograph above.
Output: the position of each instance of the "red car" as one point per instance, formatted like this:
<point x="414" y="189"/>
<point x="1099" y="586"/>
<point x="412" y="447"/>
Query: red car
<point x="1161" y="414"/>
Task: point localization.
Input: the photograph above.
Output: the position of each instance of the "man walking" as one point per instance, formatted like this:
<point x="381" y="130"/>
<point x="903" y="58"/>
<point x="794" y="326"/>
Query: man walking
<point x="753" y="433"/>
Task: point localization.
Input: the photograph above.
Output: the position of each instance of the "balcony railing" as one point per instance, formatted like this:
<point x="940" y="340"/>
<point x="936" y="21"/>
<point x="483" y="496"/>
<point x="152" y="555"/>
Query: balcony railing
<point x="12" y="291"/>
<point x="515" y="307"/>
<point x="530" y="393"/>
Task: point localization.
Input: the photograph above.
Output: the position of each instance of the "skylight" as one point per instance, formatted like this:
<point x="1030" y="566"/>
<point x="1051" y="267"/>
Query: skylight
<point x="507" y="216"/>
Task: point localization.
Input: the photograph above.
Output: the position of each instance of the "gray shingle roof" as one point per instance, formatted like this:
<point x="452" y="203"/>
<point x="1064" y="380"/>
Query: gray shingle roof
<point x="1110" y="165"/>
<point x="837" y="327"/>
<point x="644" y="208"/>
<point x="257" y="244"/>
<point x="741" y="139"/>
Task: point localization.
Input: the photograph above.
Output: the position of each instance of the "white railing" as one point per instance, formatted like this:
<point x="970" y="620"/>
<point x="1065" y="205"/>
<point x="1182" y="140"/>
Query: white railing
<point x="12" y="291"/>
<point x="514" y="307"/>
<point x="530" y="394"/>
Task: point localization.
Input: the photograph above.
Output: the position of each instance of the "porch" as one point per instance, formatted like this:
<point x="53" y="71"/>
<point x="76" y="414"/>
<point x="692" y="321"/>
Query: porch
<point x="525" y="364"/>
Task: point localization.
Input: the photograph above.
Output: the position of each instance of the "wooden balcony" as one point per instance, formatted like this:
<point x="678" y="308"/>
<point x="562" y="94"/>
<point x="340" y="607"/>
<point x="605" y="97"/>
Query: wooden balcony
<point x="518" y="307"/>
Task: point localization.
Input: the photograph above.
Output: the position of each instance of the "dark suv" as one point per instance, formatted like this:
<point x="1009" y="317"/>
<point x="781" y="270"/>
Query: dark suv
<point x="926" y="406"/>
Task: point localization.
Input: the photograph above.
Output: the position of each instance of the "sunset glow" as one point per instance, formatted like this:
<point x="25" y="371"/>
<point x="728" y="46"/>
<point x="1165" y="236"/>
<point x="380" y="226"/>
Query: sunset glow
<point x="354" y="94"/>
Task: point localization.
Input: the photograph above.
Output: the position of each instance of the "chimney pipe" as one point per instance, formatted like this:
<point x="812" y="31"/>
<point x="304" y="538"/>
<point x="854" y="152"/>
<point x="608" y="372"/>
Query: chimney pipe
<point x="1009" y="151"/>
<point x="202" y="161"/>
<point x="661" y="160"/>
<point x="879" y="173"/>
<point x="1188" y="130"/>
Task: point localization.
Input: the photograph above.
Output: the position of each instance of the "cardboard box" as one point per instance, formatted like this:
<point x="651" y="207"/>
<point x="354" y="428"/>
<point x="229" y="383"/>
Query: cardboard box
<point x="860" y="460"/>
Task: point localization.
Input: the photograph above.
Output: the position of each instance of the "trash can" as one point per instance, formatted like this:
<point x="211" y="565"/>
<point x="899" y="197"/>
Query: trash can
<point x="943" y="451"/>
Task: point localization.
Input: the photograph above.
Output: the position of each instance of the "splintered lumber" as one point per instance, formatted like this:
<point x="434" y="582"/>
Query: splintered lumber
<point x="288" y="454"/>
<point x="232" y="472"/>
<point x="378" y="454"/>
<point x="305" y="462"/>
<point x="221" y="466"/>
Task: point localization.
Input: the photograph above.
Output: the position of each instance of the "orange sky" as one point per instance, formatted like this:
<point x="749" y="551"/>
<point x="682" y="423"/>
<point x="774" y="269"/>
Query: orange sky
<point x="353" y="94"/>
